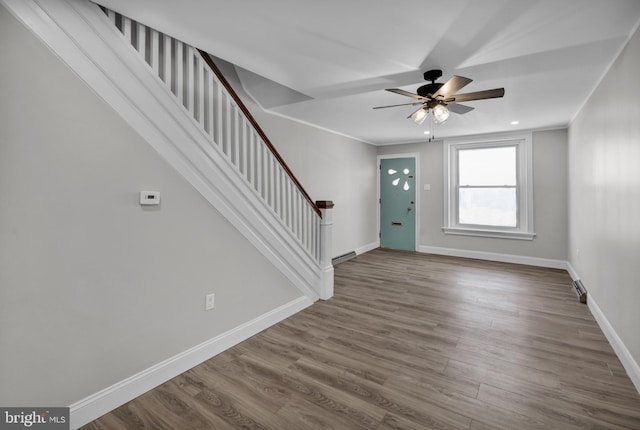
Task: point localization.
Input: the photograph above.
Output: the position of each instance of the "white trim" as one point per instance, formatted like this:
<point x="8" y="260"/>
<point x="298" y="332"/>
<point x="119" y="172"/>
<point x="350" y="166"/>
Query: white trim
<point x="493" y="256"/>
<point x="366" y="248"/>
<point x="326" y="248"/>
<point x="627" y="360"/>
<point x="523" y="141"/>
<point x="98" y="404"/>
<point x="624" y="355"/>
<point x="80" y="35"/>
<point x="572" y="272"/>
<point x="489" y="233"/>
<point x="630" y="365"/>
<point x="416" y="157"/>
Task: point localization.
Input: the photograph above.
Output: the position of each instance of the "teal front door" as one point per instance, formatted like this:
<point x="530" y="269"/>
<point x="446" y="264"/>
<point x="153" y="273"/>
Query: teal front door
<point x="397" y="203"/>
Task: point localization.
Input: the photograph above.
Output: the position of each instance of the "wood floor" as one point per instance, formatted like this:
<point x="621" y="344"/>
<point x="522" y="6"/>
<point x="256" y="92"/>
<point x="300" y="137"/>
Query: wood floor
<point x="410" y="341"/>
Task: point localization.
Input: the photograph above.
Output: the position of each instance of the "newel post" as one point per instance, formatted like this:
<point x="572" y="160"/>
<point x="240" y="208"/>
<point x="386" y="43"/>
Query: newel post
<point x="326" y="248"/>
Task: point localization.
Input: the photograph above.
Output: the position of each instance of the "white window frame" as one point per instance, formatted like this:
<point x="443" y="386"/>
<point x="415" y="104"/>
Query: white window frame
<point x="524" y="190"/>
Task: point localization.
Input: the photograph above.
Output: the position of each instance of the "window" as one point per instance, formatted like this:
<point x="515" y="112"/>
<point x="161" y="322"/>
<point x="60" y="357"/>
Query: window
<point x="489" y="187"/>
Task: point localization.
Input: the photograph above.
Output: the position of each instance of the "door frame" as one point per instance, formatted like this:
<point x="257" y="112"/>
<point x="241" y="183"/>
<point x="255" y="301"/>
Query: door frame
<point x="416" y="157"/>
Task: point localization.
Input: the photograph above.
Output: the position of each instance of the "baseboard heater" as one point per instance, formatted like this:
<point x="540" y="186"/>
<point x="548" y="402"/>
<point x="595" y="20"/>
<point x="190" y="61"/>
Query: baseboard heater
<point x="344" y="257"/>
<point x="580" y="291"/>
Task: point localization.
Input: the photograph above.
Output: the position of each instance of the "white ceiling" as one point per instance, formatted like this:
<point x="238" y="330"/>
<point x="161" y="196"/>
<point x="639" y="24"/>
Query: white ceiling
<point x="328" y="62"/>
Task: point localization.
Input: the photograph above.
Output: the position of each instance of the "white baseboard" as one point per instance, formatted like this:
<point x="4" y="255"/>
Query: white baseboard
<point x="625" y="357"/>
<point x="100" y="403"/>
<point x="627" y="360"/>
<point x="630" y="365"/>
<point x="369" y="247"/>
<point x="493" y="256"/>
<point x="572" y="272"/>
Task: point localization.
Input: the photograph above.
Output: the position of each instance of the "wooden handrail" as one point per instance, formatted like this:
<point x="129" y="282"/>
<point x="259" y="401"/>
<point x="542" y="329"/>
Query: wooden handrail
<point x="207" y="59"/>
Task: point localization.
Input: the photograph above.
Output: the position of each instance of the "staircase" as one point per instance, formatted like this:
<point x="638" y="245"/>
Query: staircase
<point x="175" y="97"/>
<point x="201" y="89"/>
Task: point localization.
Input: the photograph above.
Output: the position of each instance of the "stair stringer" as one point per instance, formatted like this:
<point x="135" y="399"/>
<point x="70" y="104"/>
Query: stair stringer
<point x="78" y="32"/>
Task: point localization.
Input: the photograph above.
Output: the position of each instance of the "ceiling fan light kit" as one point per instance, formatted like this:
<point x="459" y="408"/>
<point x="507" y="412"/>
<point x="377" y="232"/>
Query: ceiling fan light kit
<point x="440" y="113"/>
<point x="420" y="115"/>
<point x="441" y="98"/>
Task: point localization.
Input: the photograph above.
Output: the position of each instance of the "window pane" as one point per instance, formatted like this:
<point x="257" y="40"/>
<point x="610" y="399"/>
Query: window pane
<point x="487" y="166"/>
<point x="488" y="206"/>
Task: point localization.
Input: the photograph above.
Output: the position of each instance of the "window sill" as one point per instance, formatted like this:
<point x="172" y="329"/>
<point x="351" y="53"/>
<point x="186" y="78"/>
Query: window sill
<point x="518" y="235"/>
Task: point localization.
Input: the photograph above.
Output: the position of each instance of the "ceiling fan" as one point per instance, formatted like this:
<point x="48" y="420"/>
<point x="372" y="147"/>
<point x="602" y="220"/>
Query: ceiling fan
<point x="441" y="98"/>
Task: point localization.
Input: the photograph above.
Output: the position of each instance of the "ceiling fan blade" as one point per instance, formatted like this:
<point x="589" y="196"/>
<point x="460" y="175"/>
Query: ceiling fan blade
<point x="478" y="95"/>
<point x="406" y="93"/>
<point x="452" y="86"/>
<point x="403" y="104"/>
<point x="458" y="108"/>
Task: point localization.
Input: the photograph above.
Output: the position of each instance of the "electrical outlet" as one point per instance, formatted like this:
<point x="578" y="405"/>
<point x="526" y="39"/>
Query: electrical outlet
<point x="209" y="302"/>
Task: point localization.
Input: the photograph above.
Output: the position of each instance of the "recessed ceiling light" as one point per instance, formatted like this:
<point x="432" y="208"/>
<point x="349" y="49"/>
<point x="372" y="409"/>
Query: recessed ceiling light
<point x="427" y="132"/>
<point x="515" y="122"/>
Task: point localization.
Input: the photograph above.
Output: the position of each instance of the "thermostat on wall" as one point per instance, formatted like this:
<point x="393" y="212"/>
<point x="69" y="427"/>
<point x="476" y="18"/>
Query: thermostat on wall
<point x="149" y="198"/>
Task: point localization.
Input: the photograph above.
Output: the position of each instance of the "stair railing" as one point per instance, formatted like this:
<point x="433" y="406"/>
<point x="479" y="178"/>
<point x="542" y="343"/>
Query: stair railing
<point x="198" y="84"/>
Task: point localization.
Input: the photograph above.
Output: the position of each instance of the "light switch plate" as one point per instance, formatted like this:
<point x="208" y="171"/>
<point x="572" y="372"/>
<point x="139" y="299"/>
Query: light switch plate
<point x="210" y="302"/>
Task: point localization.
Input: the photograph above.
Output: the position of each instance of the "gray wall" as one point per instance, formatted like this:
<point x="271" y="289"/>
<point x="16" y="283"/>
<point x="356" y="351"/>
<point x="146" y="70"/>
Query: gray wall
<point x="94" y="288"/>
<point x="549" y="193"/>
<point x="329" y="167"/>
<point x="604" y="191"/>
